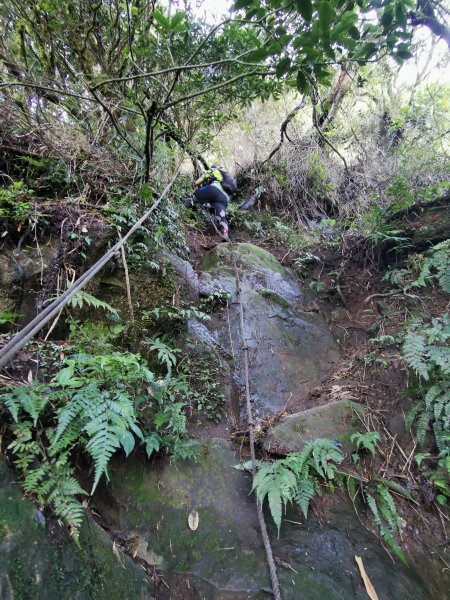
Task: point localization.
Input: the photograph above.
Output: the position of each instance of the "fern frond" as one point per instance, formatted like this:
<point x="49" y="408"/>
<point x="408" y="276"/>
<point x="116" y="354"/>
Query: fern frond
<point x="305" y="493"/>
<point x="31" y="399"/>
<point x="325" y="453"/>
<point x="412" y="413"/>
<point x="11" y="401"/>
<point x="422" y="426"/>
<point x="440" y="355"/>
<point x="372" y="504"/>
<point x="83" y="297"/>
<point x="414" y="352"/>
<point x="275" y="505"/>
<point x="387" y="508"/>
<point x="102" y="445"/>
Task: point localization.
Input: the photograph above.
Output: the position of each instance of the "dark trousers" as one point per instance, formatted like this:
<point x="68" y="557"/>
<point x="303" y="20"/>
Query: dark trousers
<point x="212" y="198"/>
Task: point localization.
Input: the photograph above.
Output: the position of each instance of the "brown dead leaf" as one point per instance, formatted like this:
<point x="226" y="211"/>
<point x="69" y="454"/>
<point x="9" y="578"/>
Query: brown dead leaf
<point x="193" y="520"/>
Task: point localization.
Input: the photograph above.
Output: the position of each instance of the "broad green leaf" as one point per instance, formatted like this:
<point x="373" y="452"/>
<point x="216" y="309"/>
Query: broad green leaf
<point x="283" y="67"/>
<point x="242" y="4"/>
<point x="127" y="442"/>
<point x="258" y="55"/>
<point x="302" y="82"/>
<point x="387" y="19"/>
<point x="305" y="8"/>
<point x="161" y="19"/>
<point x="152" y="443"/>
<point x="326" y="15"/>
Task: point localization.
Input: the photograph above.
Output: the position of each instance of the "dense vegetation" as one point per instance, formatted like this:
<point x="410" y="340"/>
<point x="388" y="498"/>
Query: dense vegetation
<point x="100" y="105"/>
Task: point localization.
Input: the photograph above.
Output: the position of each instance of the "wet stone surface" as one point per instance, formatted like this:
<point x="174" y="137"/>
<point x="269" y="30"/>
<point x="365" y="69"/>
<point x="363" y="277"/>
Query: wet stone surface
<point x="291" y="350"/>
<point x="38" y="565"/>
<point x="225" y="558"/>
<point x="337" y="420"/>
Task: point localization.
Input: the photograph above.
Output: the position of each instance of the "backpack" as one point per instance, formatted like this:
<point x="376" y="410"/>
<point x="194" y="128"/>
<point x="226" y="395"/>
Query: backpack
<point x="228" y="183"/>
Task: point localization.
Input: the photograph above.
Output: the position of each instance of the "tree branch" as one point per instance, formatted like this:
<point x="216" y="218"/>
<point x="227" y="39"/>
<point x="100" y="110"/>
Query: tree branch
<point x="283" y="129"/>
<point x="216" y="87"/>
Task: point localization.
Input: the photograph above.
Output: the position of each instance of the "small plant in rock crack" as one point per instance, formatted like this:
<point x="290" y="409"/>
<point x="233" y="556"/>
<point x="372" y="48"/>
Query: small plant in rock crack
<point x="366" y="441"/>
<point x="170" y="320"/>
<point x="298" y="477"/>
<point x="217" y="299"/>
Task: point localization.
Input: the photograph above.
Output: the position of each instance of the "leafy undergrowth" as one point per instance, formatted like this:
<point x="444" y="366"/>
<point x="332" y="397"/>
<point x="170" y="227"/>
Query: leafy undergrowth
<point x="92" y="397"/>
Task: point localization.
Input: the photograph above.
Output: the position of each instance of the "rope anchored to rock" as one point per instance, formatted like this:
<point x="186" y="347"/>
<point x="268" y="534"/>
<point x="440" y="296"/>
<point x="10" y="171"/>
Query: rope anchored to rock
<point x="251" y="425"/>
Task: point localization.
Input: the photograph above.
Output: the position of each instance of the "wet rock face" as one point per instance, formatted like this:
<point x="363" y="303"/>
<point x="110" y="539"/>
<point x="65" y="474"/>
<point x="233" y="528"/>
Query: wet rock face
<point x="21" y="276"/>
<point x="224" y="557"/>
<point x="290" y="350"/>
<point x="37" y="565"/>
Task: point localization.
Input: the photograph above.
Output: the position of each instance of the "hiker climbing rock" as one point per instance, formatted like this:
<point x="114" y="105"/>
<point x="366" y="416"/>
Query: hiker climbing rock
<point x="213" y="189"/>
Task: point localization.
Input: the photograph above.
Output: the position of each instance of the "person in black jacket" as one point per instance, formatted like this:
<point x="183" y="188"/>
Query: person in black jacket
<point x="211" y="195"/>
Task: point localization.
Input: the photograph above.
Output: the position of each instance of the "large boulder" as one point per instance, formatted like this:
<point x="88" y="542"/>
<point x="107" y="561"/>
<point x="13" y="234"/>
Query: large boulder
<point x="225" y="558"/>
<point x="41" y="562"/>
<point x="337" y="420"/>
<point x="291" y="350"/>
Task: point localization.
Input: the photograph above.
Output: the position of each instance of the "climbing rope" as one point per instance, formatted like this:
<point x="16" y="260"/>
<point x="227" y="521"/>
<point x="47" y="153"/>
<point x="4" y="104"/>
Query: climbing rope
<point x="25" y="334"/>
<point x="251" y="425"/>
<point x="262" y="523"/>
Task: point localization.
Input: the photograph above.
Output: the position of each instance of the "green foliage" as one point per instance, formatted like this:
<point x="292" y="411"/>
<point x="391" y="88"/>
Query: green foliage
<point x="203" y="373"/>
<point x="214" y="301"/>
<point x="435" y="267"/>
<point x="171" y="319"/>
<point x="166" y="354"/>
<point x="82" y="298"/>
<point x="426" y="350"/>
<point x="94" y="338"/>
<point x="298" y="477"/>
<point x="320" y="31"/>
<point x="384" y="512"/>
<point x="99" y="402"/>
<point x="366" y="441"/>
<point x="7" y="317"/>
<point x="15" y="205"/>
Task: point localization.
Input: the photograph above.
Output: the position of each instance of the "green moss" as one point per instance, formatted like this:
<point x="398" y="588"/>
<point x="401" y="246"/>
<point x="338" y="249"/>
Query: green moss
<point x="274" y="297"/>
<point x="248" y="257"/>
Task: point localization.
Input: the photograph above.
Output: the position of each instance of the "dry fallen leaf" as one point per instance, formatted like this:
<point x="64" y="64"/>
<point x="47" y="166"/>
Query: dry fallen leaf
<point x="369" y="587"/>
<point x="193" y="520"/>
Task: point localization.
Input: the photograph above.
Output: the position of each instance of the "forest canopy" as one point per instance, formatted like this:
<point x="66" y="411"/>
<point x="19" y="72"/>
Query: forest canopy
<point x="148" y="73"/>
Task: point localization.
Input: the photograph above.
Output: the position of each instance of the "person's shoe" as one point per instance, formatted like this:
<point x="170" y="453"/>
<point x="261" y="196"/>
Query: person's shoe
<point x="223" y="229"/>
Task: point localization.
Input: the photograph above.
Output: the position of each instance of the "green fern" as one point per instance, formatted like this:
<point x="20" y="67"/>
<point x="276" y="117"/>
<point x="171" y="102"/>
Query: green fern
<point x="367" y="441"/>
<point x="29" y="399"/>
<point x="297" y="477"/>
<point x="82" y="298"/>
<point x="51" y="481"/>
<point x="436" y="266"/>
<point x="386" y="517"/>
<point x="414" y="352"/>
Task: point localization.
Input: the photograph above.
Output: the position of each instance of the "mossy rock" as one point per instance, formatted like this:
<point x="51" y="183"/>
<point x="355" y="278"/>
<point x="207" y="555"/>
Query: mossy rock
<point x="248" y="257"/>
<point x="337" y="421"/>
<point x="225" y="558"/>
<point x="38" y="565"/>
